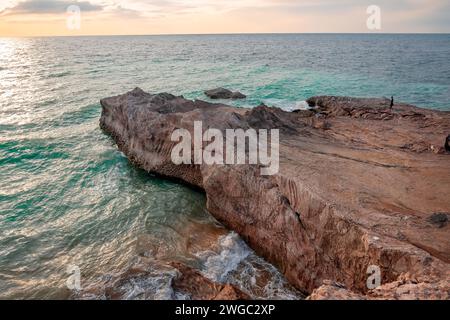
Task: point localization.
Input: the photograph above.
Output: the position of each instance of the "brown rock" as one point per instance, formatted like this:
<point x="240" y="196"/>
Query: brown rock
<point x="199" y="287"/>
<point x="345" y="198"/>
<point x="230" y="292"/>
<point x="437" y="150"/>
<point x="405" y="288"/>
<point x="334" y="291"/>
<point x="410" y="288"/>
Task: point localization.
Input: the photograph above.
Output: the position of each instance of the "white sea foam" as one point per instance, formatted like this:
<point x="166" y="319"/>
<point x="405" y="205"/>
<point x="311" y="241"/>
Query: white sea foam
<point x="232" y="261"/>
<point x="287" y="105"/>
<point x="230" y="253"/>
<point x="229" y="260"/>
<point x="301" y="105"/>
<point x="157" y="286"/>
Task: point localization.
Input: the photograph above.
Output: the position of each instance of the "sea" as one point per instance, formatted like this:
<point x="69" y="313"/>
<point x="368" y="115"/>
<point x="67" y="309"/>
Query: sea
<point x="70" y="200"/>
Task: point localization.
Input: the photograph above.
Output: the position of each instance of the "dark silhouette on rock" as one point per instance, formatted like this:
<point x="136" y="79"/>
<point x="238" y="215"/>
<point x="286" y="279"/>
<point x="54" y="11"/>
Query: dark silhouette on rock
<point x="447" y="143"/>
<point x="392" y="102"/>
<point x="222" y="93"/>
<point x="439" y="219"/>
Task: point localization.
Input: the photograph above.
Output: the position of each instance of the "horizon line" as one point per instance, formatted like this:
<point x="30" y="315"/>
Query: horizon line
<point x="230" y="33"/>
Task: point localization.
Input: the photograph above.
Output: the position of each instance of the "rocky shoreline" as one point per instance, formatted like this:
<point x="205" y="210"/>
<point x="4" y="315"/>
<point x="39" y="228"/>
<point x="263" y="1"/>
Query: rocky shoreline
<point x="359" y="185"/>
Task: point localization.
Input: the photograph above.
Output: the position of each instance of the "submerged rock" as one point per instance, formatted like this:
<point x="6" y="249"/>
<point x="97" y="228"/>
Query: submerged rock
<point x="349" y="193"/>
<point x="149" y="279"/>
<point x="198" y="287"/>
<point x="222" y="93"/>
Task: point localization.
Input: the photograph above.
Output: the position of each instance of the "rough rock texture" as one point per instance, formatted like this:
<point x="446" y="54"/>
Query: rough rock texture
<point x="222" y="93"/>
<point x="334" y="291"/>
<point x="358" y="185"/>
<point x="198" y="287"/>
<point x="405" y="288"/>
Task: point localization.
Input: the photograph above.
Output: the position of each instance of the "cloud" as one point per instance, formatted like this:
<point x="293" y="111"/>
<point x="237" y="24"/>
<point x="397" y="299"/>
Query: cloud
<point x="50" y="7"/>
<point x="178" y="16"/>
<point x="172" y="6"/>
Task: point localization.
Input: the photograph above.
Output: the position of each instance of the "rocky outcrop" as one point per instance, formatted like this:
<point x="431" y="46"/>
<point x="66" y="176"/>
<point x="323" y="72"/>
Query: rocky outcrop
<point x="222" y="93"/>
<point x="357" y="186"/>
<point x="334" y="291"/>
<point x="404" y="288"/>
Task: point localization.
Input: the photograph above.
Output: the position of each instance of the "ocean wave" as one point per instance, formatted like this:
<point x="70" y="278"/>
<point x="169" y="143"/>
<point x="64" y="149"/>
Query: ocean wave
<point x="155" y="287"/>
<point x="59" y="75"/>
<point x="153" y="282"/>
<point x="232" y="261"/>
<point x="287" y="105"/>
<point x="231" y="252"/>
<point x="263" y="281"/>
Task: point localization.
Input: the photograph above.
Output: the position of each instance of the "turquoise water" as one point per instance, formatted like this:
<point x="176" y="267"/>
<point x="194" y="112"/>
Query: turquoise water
<point x="69" y="197"/>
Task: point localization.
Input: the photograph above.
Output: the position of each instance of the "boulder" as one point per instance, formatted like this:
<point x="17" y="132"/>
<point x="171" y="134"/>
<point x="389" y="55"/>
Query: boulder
<point x="222" y="93"/>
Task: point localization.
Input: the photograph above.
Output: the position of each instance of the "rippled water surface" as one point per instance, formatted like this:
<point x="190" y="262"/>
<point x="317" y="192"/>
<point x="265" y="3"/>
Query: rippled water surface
<point x="68" y="197"/>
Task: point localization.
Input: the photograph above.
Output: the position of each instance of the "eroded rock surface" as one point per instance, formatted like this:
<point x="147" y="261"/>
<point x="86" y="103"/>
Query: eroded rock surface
<point x="356" y="187"/>
<point x="404" y="288"/>
<point x="334" y="291"/>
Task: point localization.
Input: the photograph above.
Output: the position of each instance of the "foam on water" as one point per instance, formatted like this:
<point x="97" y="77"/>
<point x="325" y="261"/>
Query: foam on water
<point x="287" y="105"/>
<point x="229" y="260"/>
<point x="230" y="253"/>
<point x="232" y="261"/>
<point x="156" y="286"/>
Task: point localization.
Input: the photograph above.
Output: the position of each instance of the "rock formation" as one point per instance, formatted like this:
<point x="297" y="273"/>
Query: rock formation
<point x="358" y="185"/>
<point x="222" y="93"/>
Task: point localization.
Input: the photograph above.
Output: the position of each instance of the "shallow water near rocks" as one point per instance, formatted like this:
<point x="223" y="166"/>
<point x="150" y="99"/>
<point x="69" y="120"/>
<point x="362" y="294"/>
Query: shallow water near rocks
<point x="68" y="197"/>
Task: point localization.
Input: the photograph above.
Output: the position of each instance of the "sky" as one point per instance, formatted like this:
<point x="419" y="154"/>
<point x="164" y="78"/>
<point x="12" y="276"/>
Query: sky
<point x="119" y="17"/>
